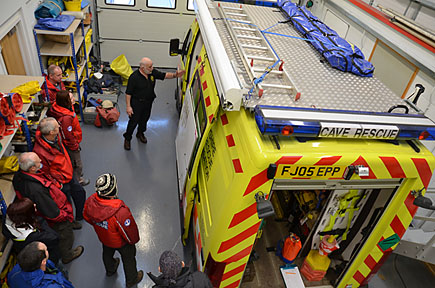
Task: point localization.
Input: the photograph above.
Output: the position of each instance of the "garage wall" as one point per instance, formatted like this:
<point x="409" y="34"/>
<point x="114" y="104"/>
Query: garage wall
<point x="20" y="13"/>
<point x="139" y="30"/>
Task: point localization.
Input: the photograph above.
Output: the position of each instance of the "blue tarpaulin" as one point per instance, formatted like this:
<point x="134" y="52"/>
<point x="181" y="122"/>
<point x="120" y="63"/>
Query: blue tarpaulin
<point x="337" y="51"/>
<point x="84" y="3"/>
<point x="49" y="9"/>
<point x="60" y="23"/>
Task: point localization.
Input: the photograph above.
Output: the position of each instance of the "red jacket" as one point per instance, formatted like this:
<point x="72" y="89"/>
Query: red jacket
<point x="50" y="201"/>
<point x="112" y="220"/>
<point x="52" y="90"/>
<point x="55" y="163"/>
<point x="69" y="124"/>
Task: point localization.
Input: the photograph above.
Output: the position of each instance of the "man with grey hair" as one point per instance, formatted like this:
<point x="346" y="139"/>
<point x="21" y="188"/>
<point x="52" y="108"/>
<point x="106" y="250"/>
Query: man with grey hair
<point x="56" y="163"/>
<point x="140" y="96"/>
<point x="50" y="202"/>
<point x="53" y="83"/>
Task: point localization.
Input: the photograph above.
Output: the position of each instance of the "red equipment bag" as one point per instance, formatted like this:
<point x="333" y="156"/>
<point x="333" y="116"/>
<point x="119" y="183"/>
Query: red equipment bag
<point x="110" y="116"/>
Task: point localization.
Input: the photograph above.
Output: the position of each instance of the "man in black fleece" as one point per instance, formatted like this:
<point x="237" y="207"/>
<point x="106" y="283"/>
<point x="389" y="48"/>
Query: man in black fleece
<point x="174" y="274"/>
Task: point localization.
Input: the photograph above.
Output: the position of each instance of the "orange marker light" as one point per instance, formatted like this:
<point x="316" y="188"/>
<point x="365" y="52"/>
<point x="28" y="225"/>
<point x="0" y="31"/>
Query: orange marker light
<point x="423" y="135"/>
<point x="287" y="130"/>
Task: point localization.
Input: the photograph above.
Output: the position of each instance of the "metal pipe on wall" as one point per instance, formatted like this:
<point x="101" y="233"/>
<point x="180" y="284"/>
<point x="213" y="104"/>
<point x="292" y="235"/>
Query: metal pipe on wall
<point x="405" y="22"/>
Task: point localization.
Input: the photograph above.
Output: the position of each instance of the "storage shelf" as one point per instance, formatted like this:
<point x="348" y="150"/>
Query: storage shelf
<point x="5" y="254"/>
<point x="71" y="29"/>
<point x="6" y="140"/>
<point x="7" y="188"/>
<point x="50" y="48"/>
<point x="72" y="77"/>
<point x="9" y="82"/>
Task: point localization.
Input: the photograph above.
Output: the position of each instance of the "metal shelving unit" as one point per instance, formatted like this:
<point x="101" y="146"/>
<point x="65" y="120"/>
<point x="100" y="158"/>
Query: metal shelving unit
<point x="45" y="48"/>
<point x="7" y="83"/>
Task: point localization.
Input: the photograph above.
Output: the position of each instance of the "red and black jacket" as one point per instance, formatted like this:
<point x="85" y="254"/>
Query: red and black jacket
<point x="55" y="163"/>
<point x="69" y="123"/>
<point x="112" y="221"/>
<point x="50" y="201"/>
<point x="52" y="90"/>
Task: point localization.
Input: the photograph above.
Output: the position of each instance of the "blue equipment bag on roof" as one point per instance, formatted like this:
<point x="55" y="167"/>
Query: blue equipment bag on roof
<point x="49" y="9"/>
<point x="60" y="23"/>
<point x="337" y="51"/>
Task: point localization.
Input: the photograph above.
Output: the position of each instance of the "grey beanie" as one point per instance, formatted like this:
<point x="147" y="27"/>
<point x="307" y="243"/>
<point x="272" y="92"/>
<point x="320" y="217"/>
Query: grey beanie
<point x="170" y="264"/>
<point x="106" y="186"/>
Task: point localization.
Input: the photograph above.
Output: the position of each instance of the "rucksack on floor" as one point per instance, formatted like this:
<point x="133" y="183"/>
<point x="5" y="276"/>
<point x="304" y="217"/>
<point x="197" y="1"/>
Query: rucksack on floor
<point x="109" y="115"/>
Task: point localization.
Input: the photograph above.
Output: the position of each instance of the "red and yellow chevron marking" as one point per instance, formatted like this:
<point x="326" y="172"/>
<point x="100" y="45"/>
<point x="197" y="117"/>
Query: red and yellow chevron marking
<point x="224" y="119"/>
<point x="395" y="219"/>
<point x="244" y="224"/>
<point x="198" y="242"/>
<point x="231" y="143"/>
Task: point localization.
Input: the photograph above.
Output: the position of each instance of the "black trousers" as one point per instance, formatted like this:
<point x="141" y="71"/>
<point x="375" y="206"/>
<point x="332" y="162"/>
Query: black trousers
<point x="66" y="238"/>
<point x="141" y="115"/>
<point x="74" y="190"/>
<point x="128" y="256"/>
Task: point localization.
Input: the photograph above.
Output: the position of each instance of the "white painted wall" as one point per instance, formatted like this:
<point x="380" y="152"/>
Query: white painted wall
<point x="21" y="13"/>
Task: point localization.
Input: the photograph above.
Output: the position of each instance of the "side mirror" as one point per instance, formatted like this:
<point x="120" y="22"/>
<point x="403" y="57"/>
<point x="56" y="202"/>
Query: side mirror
<point x="174" y="45"/>
<point x="264" y="206"/>
<point x="424" y="202"/>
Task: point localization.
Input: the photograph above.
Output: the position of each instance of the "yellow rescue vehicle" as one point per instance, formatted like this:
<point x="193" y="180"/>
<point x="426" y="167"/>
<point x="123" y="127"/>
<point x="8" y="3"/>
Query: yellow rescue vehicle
<point x="310" y="152"/>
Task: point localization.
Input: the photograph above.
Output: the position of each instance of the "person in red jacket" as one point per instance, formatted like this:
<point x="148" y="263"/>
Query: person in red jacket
<point x="63" y="111"/>
<point x="50" y="202"/>
<point x="56" y="162"/>
<point x="115" y="228"/>
<point x="53" y="83"/>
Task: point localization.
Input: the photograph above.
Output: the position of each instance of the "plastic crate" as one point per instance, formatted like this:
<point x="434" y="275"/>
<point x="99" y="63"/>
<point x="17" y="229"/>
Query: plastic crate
<point x="89" y="116"/>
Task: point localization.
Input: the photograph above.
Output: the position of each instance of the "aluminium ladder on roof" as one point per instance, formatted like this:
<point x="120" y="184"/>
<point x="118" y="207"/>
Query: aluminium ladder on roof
<point x="259" y="59"/>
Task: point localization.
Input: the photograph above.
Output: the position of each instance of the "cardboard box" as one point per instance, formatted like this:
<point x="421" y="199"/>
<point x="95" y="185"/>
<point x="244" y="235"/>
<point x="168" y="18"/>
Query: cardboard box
<point x="88" y="19"/>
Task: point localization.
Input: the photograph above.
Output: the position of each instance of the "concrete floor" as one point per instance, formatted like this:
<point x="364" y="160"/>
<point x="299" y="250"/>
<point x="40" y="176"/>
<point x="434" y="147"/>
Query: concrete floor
<point x="147" y="184"/>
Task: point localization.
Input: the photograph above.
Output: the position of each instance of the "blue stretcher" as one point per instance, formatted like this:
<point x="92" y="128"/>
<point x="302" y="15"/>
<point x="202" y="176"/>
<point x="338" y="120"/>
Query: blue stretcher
<point x="337" y="51"/>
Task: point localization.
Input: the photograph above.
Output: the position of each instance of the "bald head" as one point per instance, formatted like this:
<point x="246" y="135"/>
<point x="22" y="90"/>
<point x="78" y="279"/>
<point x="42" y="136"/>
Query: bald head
<point x="146" y="65"/>
<point x="29" y="162"/>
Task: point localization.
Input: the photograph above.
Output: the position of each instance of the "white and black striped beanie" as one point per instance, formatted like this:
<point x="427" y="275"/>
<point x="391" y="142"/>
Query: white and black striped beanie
<point x="106" y="186"/>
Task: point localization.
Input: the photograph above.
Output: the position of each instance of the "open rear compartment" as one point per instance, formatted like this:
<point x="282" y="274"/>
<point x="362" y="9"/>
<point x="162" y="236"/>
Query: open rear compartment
<point x="347" y="213"/>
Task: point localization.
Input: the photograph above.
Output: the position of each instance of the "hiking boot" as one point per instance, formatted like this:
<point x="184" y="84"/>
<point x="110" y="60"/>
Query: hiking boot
<point x="138" y="279"/>
<point x="84" y="181"/>
<point x="142" y="138"/>
<point x="127" y="145"/>
<point x="76" y="225"/>
<point x="108" y="274"/>
<point x="76" y="253"/>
